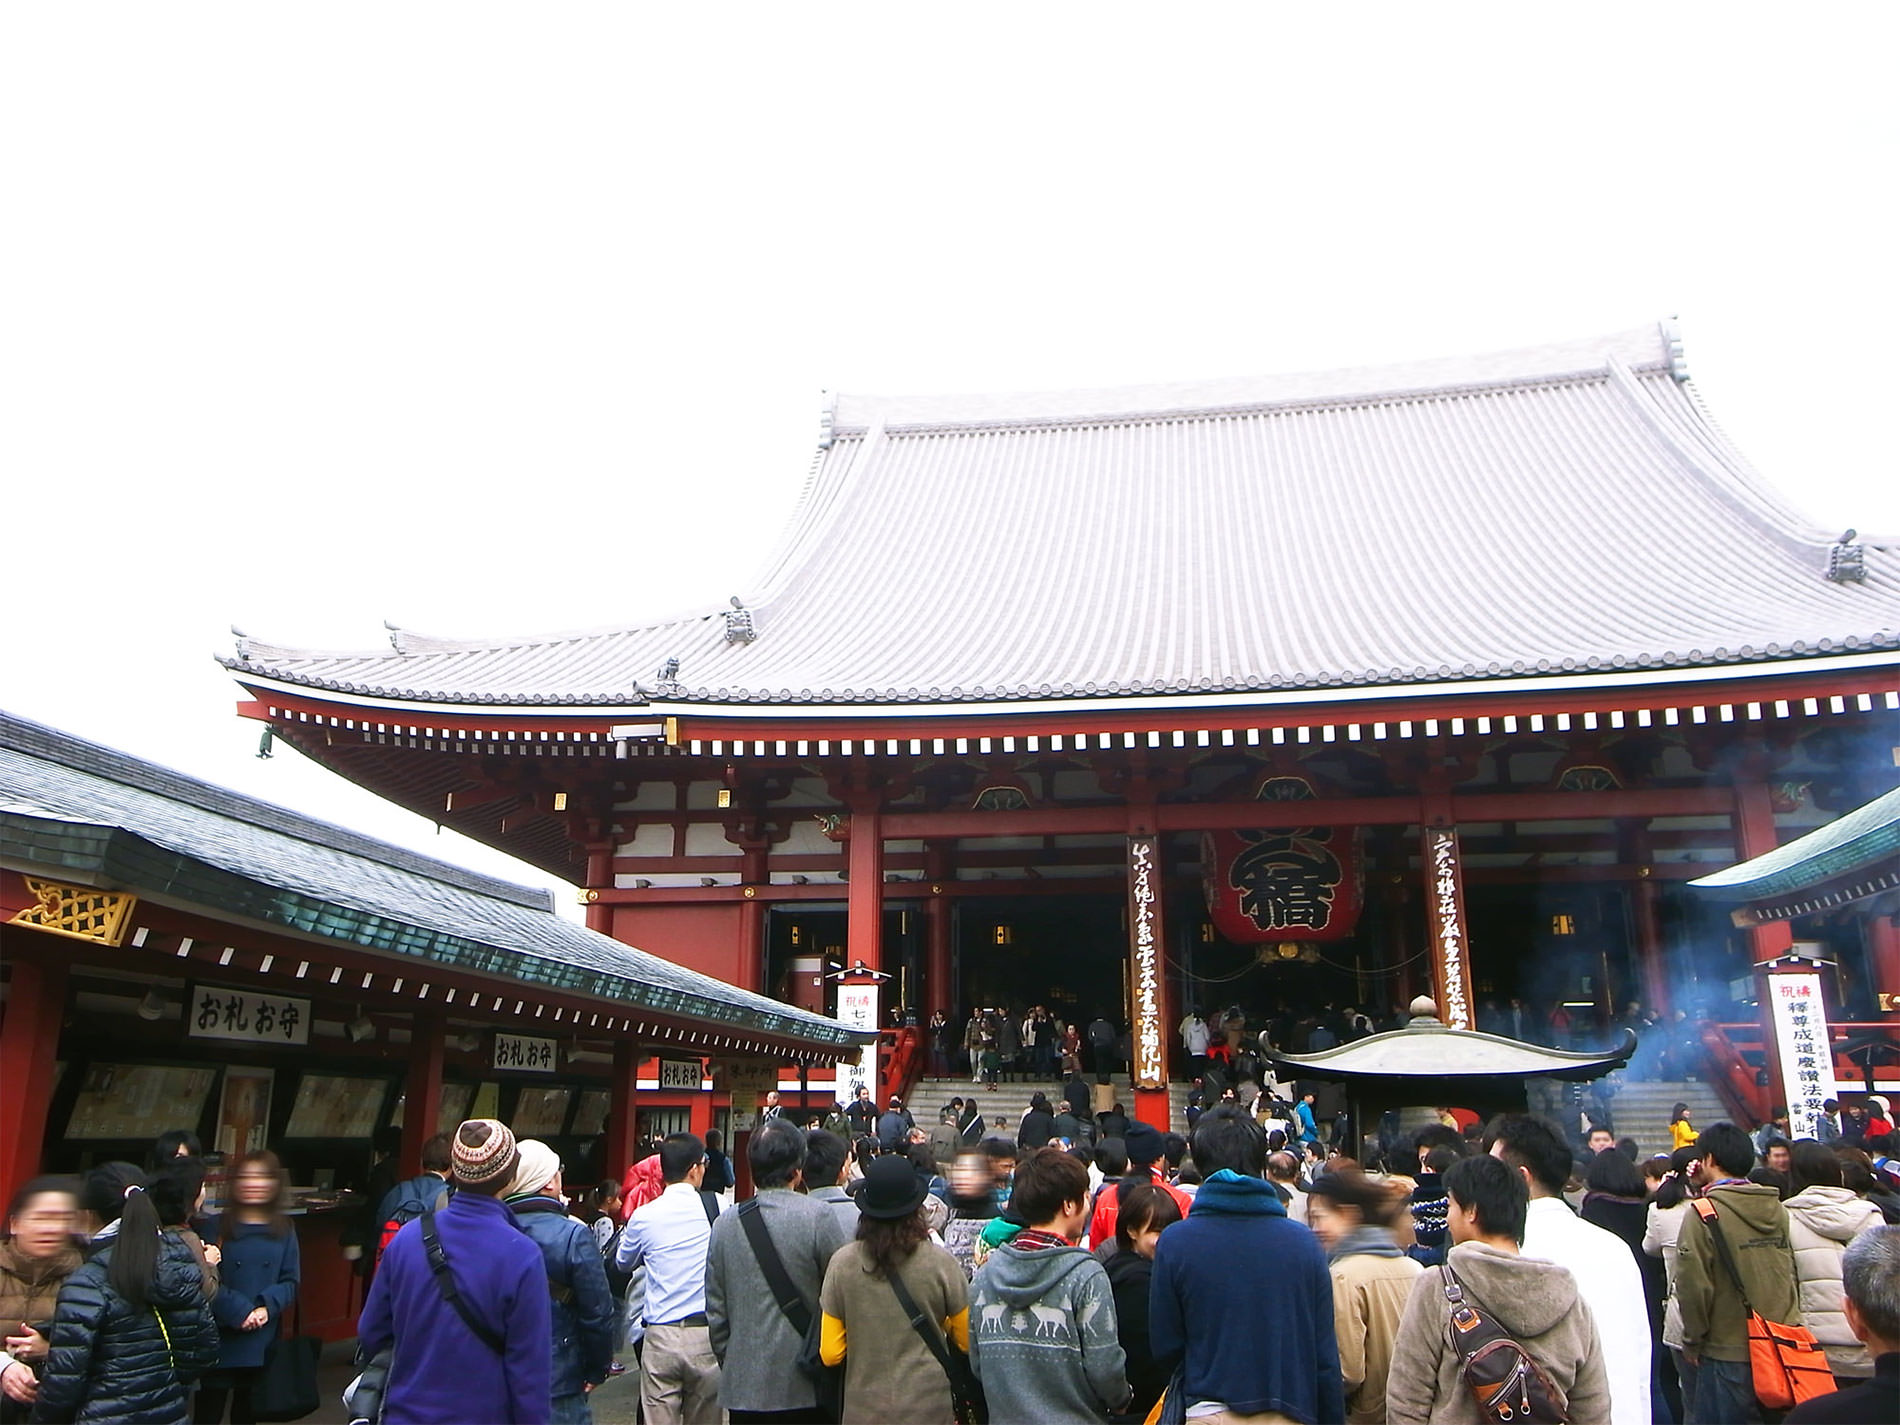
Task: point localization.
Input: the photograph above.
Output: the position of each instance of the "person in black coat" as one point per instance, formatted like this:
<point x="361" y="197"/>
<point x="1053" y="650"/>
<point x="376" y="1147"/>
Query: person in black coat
<point x="132" y="1330"/>
<point x="893" y="1127"/>
<point x="1038" y="1125"/>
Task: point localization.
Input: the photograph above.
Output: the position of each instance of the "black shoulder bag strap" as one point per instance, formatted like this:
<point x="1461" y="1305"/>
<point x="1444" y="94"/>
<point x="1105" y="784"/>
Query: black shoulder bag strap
<point x="445" y="1283"/>
<point x="776" y="1277"/>
<point x="923" y="1326"/>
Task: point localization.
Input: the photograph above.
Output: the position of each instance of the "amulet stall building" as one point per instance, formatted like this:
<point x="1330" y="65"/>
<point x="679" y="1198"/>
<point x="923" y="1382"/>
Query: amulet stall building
<point x="1334" y="687"/>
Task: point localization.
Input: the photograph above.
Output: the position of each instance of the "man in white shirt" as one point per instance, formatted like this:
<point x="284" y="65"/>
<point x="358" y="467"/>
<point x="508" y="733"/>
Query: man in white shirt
<point x="679" y="1375"/>
<point x="1604" y="1268"/>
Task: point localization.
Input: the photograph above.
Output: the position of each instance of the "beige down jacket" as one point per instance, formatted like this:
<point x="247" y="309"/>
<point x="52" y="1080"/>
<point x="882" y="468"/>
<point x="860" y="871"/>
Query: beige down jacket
<point x="1821" y="1222"/>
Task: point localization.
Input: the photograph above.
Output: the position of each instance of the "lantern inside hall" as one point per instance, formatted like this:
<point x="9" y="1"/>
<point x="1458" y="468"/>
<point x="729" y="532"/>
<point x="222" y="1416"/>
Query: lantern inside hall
<point x="1283" y="883"/>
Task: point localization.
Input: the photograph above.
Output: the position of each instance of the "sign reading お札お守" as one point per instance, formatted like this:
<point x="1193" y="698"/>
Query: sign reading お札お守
<point x="259" y="1019"/>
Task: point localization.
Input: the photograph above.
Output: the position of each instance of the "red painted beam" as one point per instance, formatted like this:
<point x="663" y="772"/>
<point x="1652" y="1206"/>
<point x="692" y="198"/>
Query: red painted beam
<point x="840" y="891"/>
<point x="1211" y="716"/>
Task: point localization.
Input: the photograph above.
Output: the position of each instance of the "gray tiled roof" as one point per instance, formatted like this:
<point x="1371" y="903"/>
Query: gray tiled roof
<point x="75" y="805"/>
<point x="1563" y="509"/>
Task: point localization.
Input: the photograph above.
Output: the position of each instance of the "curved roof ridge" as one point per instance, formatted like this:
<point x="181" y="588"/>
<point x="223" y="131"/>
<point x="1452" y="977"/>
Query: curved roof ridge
<point x="1708" y="458"/>
<point x="1645" y="347"/>
<point x="821" y="502"/>
<point x="410" y="644"/>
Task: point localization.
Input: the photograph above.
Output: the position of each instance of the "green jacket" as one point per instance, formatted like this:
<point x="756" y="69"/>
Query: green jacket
<point x="1755" y="1226"/>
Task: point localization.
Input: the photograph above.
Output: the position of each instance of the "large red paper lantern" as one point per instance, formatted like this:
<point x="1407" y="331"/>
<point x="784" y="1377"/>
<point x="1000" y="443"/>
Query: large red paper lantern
<point x="1283" y="883"/>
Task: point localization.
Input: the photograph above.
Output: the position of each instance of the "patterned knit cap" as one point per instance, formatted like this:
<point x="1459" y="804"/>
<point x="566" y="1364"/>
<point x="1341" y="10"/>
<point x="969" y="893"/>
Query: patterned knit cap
<point x="491" y="1158"/>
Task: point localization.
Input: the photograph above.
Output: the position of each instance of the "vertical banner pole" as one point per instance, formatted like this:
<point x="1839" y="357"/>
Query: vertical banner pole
<point x="1148" y="990"/>
<point x="1445" y="902"/>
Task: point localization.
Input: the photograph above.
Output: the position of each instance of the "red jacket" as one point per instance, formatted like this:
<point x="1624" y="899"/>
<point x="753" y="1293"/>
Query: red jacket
<point x="1108" y="1207"/>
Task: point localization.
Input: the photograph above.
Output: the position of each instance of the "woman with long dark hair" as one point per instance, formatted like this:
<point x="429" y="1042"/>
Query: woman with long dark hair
<point x="37" y="1254"/>
<point x="1681" y="1131"/>
<point x="178" y="1194"/>
<point x="131" y="1330"/>
<point x="1667" y="1209"/>
<point x="259" y="1268"/>
<point x="889" y="1372"/>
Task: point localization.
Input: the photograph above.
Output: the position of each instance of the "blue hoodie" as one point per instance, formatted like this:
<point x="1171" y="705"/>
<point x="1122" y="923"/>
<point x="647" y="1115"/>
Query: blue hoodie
<point x="1281" y="1357"/>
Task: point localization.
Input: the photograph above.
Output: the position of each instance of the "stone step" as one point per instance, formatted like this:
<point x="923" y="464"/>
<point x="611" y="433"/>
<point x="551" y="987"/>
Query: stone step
<point x="1011" y="1100"/>
<point x="1641" y="1110"/>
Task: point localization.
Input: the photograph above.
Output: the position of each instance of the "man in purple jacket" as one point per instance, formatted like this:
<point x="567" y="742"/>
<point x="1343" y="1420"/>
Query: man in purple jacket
<point x="444" y="1371"/>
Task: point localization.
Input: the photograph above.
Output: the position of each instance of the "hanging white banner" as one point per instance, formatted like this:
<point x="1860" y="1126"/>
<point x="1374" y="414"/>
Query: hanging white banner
<point x="1803" y="1045"/>
<point x="857" y="1007"/>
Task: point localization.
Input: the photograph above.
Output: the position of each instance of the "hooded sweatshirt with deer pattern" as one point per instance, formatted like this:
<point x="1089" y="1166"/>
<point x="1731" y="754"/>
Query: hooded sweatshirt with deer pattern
<point x="1042" y="1333"/>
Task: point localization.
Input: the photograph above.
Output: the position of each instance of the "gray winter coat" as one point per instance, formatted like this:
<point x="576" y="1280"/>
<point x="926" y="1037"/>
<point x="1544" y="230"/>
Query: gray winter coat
<point x="752" y="1338"/>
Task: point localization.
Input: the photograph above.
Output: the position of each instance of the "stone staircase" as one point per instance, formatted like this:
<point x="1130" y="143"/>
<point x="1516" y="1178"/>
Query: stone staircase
<point x="1640" y="1110"/>
<point x="1011" y="1100"/>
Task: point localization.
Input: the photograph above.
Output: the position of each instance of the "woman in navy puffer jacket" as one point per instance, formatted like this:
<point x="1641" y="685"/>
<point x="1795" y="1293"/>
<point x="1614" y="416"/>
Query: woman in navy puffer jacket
<point x="258" y="1281"/>
<point x="131" y="1331"/>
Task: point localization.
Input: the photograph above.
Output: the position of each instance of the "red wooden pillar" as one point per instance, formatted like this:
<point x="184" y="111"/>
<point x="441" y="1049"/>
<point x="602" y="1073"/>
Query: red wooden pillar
<point x="864" y="936"/>
<point x="1755" y="835"/>
<point x="936" y="932"/>
<point x="422" y="1090"/>
<point x="1649" y="948"/>
<point x="29" y="1048"/>
<point x="623" y="1105"/>
<point x="700" y="1115"/>
<point x="1883" y="960"/>
<point x="600" y="877"/>
<point x="1633" y="848"/>
<point x="753" y="873"/>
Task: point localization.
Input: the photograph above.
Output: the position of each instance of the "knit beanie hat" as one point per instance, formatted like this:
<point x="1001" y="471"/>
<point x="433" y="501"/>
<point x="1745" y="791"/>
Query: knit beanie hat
<point x="484" y="1151"/>
<point x="1144" y="1143"/>
<point x="536" y="1167"/>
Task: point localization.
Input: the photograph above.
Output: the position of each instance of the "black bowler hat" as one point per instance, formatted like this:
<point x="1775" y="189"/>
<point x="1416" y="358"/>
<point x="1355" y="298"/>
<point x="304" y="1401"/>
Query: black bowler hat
<point x="891" y="1188"/>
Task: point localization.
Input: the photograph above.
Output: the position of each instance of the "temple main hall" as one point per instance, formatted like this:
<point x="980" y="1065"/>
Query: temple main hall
<point x="1330" y="688"/>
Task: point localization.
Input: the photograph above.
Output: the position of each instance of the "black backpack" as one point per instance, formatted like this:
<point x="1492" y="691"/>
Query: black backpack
<point x="1511" y="1388"/>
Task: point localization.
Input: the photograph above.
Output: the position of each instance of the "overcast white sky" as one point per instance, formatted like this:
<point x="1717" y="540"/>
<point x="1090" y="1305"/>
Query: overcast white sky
<point x="490" y="318"/>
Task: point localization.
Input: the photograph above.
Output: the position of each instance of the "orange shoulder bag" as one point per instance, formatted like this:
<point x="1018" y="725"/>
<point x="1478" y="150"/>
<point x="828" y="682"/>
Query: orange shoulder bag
<point x="1786" y="1362"/>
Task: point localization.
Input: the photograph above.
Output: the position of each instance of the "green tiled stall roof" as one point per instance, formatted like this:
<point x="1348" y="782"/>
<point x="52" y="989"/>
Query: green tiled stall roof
<point x="1864" y="836"/>
<point x="72" y="807"/>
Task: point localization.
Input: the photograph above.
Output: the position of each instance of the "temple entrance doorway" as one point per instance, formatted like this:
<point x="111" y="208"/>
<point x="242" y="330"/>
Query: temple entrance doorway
<point x="1067" y="952"/>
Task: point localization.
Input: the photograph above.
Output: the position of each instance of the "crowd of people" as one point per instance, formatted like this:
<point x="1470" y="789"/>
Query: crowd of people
<point x="999" y="1044"/>
<point x="122" y="1301"/>
<point x="1057" y="1264"/>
